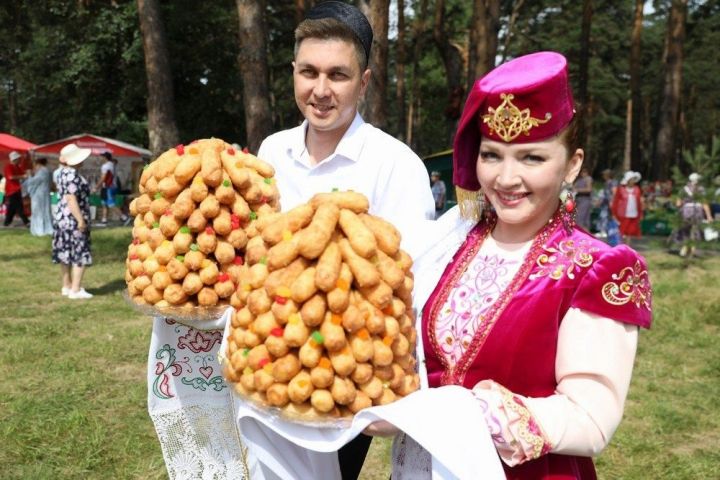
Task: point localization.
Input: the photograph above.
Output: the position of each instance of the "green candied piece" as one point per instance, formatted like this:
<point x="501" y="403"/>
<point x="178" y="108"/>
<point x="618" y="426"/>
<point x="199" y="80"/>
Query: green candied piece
<point x="156" y="224"/>
<point x="180" y="258"/>
<point x="194" y="247"/>
<point x="335" y="189"/>
<point x="263" y="260"/>
<point x="158" y="195"/>
<point x="253" y="215"/>
<point x="185" y="229"/>
<point x="318" y="337"/>
<point x="268" y="181"/>
<point x="226" y="183"/>
<point x="246" y="351"/>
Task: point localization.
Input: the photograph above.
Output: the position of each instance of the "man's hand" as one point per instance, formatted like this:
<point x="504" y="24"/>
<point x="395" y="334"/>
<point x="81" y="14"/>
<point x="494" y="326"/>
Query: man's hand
<point x="381" y="428"/>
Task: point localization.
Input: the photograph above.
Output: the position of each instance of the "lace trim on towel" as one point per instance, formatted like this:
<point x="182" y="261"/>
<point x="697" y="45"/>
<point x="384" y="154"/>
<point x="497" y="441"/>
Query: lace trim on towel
<point x="201" y="442"/>
<point x="410" y="460"/>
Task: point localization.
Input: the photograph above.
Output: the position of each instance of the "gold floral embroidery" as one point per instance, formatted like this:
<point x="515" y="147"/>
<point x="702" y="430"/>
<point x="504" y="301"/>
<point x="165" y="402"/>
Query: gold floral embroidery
<point x="631" y="285"/>
<point x="564" y="259"/>
<point x="508" y="121"/>
<point x="529" y="430"/>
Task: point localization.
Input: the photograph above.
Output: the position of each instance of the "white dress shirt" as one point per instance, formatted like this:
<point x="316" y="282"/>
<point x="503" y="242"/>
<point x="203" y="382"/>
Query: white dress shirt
<point x="367" y="160"/>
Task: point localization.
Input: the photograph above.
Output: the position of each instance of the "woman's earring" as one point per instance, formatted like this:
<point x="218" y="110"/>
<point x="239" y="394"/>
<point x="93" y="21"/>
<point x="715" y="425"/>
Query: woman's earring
<point x="567" y="214"/>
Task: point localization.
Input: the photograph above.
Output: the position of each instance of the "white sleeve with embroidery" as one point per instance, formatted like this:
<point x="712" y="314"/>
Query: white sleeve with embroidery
<point x="593" y="368"/>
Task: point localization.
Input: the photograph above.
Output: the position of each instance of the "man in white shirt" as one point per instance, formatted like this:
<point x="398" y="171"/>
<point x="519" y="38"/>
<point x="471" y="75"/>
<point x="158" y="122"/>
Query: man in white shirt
<point x="335" y="149"/>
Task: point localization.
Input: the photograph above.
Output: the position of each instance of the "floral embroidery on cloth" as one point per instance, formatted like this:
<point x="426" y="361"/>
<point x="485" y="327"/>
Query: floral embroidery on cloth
<point x="631" y="285"/>
<point x="567" y="257"/>
<point x="477" y="289"/>
<point x="516" y="434"/>
<point x="206" y="374"/>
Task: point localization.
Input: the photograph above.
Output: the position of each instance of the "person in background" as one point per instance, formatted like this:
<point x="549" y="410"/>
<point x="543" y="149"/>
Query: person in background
<point x="71" y="240"/>
<point x="38" y="187"/>
<point x="439" y="193"/>
<point x="627" y="206"/>
<point x="14" y="174"/>
<point x="583" y="198"/>
<point x="108" y="188"/>
<point x="2" y="194"/>
<point x="517" y="294"/>
<point x="606" y="195"/>
<point x="693" y="211"/>
<point x="715" y="203"/>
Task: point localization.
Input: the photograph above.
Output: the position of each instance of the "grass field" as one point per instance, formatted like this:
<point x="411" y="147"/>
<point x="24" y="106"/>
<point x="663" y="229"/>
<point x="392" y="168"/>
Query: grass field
<point x="73" y="395"/>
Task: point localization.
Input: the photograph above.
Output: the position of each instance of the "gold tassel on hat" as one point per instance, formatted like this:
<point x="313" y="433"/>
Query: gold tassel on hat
<point x="470" y="203"/>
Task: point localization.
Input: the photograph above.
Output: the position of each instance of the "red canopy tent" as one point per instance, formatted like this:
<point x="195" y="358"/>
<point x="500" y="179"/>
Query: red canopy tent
<point x="98" y="145"/>
<point x="131" y="158"/>
<point x="10" y="143"/>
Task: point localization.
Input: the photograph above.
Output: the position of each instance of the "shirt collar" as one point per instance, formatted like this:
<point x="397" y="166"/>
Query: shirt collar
<point x="349" y="147"/>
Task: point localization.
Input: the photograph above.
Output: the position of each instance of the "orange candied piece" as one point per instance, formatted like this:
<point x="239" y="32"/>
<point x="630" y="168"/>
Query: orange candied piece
<point x="387" y="340"/>
<point x="325" y="363"/>
<point x="336" y="319"/>
<point x="343" y="285"/>
<point x="363" y="334"/>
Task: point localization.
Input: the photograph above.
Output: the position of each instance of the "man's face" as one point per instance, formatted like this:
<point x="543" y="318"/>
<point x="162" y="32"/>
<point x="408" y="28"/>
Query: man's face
<point x="328" y="83"/>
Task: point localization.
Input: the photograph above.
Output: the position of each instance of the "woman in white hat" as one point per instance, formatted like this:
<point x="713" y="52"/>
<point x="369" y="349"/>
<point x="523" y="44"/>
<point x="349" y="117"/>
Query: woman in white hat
<point x="71" y="240"/>
<point x="627" y="206"/>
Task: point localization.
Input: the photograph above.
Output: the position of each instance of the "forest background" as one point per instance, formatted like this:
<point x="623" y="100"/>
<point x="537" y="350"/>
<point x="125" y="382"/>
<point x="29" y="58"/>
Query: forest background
<point x="159" y="73"/>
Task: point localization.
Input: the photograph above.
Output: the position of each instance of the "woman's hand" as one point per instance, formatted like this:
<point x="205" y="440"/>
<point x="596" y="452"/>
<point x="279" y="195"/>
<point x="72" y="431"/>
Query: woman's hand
<point x="81" y="224"/>
<point x="381" y="428"/>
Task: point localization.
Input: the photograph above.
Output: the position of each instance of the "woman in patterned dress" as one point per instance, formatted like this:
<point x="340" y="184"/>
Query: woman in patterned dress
<point x="71" y="239"/>
<point x="536" y="318"/>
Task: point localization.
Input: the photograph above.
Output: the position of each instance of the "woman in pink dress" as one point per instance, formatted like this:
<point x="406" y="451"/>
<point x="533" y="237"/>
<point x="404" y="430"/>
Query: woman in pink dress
<point x="536" y="318"/>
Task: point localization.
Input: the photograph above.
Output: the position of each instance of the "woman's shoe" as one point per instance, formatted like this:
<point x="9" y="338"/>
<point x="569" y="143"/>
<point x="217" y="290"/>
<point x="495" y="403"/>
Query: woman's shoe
<point x="65" y="291"/>
<point x="79" y="295"/>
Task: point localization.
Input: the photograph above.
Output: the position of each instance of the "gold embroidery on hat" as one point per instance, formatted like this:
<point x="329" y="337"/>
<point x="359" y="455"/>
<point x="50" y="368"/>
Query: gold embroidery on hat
<point x="508" y="121"/>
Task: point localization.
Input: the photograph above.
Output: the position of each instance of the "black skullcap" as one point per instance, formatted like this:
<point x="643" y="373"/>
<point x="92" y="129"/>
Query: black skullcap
<point x="350" y="16"/>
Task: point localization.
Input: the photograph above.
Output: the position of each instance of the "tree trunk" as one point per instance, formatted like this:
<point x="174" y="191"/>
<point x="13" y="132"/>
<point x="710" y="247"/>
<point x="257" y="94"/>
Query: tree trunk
<point x="636" y="161"/>
<point x="374" y="108"/>
<point x="627" y="153"/>
<point x="452" y="59"/>
<point x="484" y="27"/>
<point x="413" y="114"/>
<point x="582" y="93"/>
<point x="254" y="71"/>
<point x="162" y="129"/>
<point x="517" y="5"/>
<point x="672" y="84"/>
<point x="400" y="57"/>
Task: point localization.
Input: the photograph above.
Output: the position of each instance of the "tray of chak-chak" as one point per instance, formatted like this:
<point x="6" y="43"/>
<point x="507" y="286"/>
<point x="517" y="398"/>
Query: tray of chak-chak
<point x="198" y="207"/>
<point x="322" y="324"/>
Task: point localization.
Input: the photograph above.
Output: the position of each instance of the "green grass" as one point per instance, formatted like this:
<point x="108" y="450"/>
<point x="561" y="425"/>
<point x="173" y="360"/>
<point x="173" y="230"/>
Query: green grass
<point x="73" y="397"/>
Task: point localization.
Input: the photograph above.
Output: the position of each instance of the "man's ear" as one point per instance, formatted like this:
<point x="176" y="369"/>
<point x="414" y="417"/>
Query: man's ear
<point x="293" y="65"/>
<point x="574" y="165"/>
<point x="365" y="81"/>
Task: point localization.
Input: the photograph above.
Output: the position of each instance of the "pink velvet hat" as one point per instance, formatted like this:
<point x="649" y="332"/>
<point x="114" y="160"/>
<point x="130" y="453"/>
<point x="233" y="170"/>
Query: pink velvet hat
<point x="524" y="100"/>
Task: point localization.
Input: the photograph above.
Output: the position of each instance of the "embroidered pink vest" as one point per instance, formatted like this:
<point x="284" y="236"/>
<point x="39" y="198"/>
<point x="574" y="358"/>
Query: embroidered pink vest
<point x="516" y="341"/>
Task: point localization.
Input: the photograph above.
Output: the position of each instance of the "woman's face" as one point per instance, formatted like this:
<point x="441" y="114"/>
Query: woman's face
<point x="523" y="182"/>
